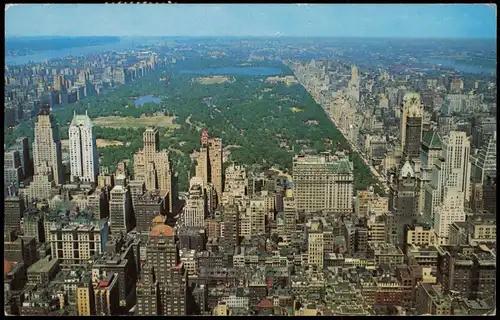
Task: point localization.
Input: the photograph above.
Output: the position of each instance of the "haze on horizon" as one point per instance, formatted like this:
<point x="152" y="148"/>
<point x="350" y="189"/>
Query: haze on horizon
<point x="242" y="20"/>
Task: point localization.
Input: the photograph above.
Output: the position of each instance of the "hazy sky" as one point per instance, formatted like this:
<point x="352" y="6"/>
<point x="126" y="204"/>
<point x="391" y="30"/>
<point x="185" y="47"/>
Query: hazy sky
<point x="441" y="21"/>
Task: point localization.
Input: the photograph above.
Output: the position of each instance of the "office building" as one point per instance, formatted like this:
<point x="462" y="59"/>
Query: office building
<point x="485" y="163"/>
<point x="154" y="167"/>
<point x="430" y="151"/>
<point x="33" y="224"/>
<point x="47" y="145"/>
<point x="315" y="244"/>
<point x="194" y="212"/>
<point x="420" y="235"/>
<point x="106" y="295"/>
<point x="433" y="192"/>
<point x="451" y="210"/>
<point x="84" y="159"/>
<point x="12" y="213"/>
<point x="85" y="299"/>
<point x="12" y="169"/>
<point x="98" y="202"/>
<point x="163" y="256"/>
<point x="22" y="147"/>
<point x="235" y="184"/>
<point x="231" y="226"/>
<point x="411" y="126"/>
<point x="119" y="258"/>
<point x="209" y="166"/>
<point x="20" y="249"/>
<point x="148" y="294"/>
<point x="469" y="270"/>
<point x="121" y="215"/>
<point x="148" y="206"/>
<point x="457" y="168"/>
<point x="176" y="295"/>
<point x="43" y="186"/>
<point x="367" y="201"/>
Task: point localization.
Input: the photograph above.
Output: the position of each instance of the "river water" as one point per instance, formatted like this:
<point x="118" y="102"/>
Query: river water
<point x="461" y="67"/>
<point x="78" y="51"/>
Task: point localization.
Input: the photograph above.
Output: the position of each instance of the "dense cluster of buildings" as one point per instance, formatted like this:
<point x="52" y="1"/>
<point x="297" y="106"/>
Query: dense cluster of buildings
<point x="254" y="243"/>
<point x="69" y="80"/>
<point x="440" y="173"/>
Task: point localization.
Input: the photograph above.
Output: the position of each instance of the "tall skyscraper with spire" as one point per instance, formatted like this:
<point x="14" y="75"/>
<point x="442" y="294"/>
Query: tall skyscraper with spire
<point x="47" y="145"/>
<point x="84" y="159"/>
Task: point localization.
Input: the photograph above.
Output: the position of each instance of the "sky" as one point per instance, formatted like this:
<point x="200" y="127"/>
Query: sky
<point x="320" y="20"/>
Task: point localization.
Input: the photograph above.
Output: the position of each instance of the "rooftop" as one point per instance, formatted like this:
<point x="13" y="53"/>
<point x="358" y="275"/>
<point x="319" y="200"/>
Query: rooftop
<point x="162" y="229"/>
<point x="43" y="265"/>
<point x="432" y="140"/>
<point x="8" y="266"/>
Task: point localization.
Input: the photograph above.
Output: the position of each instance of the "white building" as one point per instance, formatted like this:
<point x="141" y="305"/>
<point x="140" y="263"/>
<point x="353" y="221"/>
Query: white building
<point x="354" y="84"/>
<point x="120" y="209"/>
<point x="433" y="192"/>
<point x="457" y="167"/>
<point x="84" y="159"/>
<point x="47" y="145"/>
<point x="452" y="210"/>
<point x="194" y="211"/>
<point x="323" y="183"/>
<point x="455" y="102"/>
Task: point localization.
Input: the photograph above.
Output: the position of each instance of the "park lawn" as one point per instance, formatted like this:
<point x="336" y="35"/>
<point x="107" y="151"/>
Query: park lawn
<point x="130" y="122"/>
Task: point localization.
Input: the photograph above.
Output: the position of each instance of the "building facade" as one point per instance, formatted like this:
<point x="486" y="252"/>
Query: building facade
<point x="84" y="159"/>
<point x="323" y="183"/>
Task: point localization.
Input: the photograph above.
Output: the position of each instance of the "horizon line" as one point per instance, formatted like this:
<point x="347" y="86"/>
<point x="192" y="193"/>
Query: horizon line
<point x="255" y="36"/>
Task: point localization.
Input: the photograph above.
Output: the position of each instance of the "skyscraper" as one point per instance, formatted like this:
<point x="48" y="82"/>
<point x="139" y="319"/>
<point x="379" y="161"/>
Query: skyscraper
<point x="194" y="211"/>
<point x="209" y="166"/>
<point x="13" y="171"/>
<point x="354" y="83"/>
<point x="411" y="126"/>
<point x="151" y="143"/>
<point x="144" y="169"/>
<point x="457" y="169"/>
<point x="120" y="210"/>
<point x="231" y="222"/>
<point x="22" y="147"/>
<point x="154" y="168"/>
<point x="12" y="213"/>
<point x="47" y="144"/>
<point x="451" y="210"/>
<point x="84" y="159"/>
<point x="405" y="198"/>
<point x="431" y="150"/>
<point x="315" y="243"/>
<point x="163" y="256"/>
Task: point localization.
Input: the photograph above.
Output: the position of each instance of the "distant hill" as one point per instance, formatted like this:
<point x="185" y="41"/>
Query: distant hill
<point x="28" y="45"/>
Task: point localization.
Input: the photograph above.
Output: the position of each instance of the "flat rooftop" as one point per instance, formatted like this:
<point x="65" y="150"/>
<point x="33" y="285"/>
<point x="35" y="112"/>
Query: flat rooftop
<point x="43" y="265"/>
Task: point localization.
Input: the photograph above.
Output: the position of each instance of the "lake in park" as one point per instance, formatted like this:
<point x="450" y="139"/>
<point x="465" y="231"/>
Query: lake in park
<point x="146" y="99"/>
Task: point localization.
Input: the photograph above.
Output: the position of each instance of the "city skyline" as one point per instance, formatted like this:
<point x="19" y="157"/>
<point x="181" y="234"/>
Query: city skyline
<point x="370" y="21"/>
